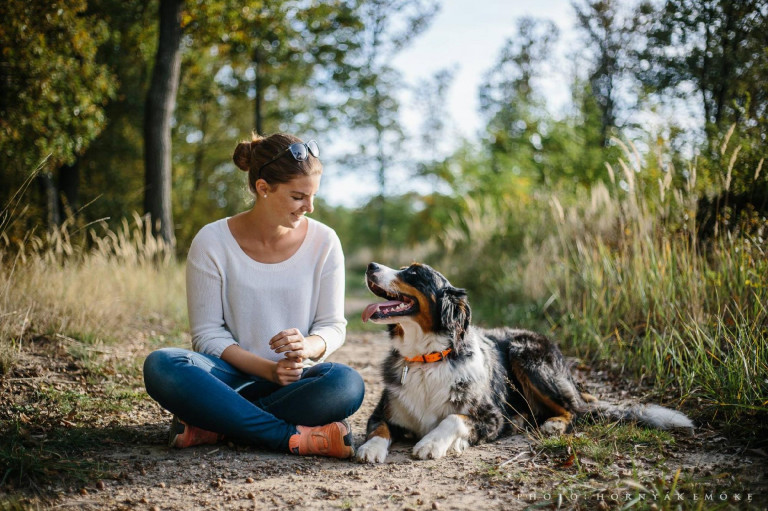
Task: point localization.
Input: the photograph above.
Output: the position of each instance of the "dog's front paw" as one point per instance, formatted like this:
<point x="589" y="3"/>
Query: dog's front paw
<point x="460" y="445"/>
<point x="553" y="427"/>
<point x="431" y="447"/>
<point x="374" y="450"/>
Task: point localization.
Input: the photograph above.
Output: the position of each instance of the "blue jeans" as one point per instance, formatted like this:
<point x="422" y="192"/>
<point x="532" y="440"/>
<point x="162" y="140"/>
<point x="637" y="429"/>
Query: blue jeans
<point x="207" y="392"/>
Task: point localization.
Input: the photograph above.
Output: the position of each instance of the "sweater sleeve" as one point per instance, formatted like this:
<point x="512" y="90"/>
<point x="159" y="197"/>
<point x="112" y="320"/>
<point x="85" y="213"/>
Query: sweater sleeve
<point x="204" y="304"/>
<point x="329" y="322"/>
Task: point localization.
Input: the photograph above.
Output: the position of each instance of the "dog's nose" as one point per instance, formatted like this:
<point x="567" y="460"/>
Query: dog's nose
<point x="373" y="267"/>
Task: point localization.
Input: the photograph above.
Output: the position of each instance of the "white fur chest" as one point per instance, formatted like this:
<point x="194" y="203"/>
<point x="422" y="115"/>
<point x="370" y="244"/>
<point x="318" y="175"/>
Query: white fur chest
<point x="426" y="396"/>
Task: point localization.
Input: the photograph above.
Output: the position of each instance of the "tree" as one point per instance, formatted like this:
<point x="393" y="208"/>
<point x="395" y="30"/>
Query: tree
<point x="609" y="34"/>
<point x="715" y="49"/>
<point x="373" y="105"/>
<point x="510" y="104"/>
<point x="112" y="171"/>
<point x="52" y="96"/>
<point x="430" y="99"/>
<point x="161" y="101"/>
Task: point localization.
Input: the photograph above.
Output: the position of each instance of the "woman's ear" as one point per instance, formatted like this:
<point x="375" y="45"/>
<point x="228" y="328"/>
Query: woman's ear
<point x="261" y="188"/>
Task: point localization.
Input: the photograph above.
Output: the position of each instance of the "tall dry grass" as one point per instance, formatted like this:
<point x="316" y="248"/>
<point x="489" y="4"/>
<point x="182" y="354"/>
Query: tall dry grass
<point x="92" y="284"/>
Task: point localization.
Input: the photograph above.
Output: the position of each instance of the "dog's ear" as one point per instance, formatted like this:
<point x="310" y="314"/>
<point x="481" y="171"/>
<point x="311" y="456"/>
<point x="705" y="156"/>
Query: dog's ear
<point x="455" y="314"/>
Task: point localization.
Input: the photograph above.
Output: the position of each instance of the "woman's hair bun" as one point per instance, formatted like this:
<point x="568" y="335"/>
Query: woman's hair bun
<point x="242" y="156"/>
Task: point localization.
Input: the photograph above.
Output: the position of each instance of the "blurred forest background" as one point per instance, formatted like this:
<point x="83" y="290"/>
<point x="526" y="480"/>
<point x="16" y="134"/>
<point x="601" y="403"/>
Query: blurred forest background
<point x="630" y="236"/>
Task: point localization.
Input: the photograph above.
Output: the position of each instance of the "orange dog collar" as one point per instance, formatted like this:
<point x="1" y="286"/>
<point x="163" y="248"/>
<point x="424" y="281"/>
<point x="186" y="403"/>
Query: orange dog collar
<point x="435" y="356"/>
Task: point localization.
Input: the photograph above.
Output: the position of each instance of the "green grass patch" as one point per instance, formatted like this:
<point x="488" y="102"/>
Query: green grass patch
<point x="29" y="462"/>
<point x="603" y="443"/>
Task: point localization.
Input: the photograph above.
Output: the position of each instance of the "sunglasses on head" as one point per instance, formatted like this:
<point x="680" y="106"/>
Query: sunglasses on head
<point x="299" y="150"/>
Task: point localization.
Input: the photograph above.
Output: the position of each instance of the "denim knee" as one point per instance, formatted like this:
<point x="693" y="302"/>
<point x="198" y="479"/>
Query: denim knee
<point x="159" y="369"/>
<point x="350" y="387"/>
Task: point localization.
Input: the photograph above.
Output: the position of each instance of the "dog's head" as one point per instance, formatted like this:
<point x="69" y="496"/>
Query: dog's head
<point x="421" y="296"/>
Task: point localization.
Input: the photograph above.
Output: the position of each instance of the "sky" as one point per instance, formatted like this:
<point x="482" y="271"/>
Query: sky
<point x="470" y="34"/>
<point x="466" y="35"/>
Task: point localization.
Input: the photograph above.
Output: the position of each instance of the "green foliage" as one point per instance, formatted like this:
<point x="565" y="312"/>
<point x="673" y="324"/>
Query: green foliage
<point x="111" y="170"/>
<point x="53" y="88"/>
<point x="723" y="63"/>
<point x="514" y="111"/>
<point x="526" y="143"/>
<point x="620" y="274"/>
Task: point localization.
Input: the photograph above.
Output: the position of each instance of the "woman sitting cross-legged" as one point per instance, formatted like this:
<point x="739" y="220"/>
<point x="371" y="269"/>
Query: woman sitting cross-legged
<point x="265" y="293"/>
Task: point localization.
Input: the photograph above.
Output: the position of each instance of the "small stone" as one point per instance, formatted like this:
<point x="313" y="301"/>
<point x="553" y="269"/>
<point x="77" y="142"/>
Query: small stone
<point x="251" y="495"/>
<point x="83" y="491"/>
<point x="249" y="480"/>
<point x="161" y="484"/>
<point x="100" y="484"/>
<point x="435" y="505"/>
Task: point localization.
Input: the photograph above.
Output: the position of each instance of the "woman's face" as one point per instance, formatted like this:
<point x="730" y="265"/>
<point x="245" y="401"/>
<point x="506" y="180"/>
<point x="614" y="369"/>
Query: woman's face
<point x="290" y="201"/>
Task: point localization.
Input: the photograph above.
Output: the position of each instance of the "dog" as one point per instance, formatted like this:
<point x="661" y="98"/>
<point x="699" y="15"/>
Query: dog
<point x="452" y="385"/>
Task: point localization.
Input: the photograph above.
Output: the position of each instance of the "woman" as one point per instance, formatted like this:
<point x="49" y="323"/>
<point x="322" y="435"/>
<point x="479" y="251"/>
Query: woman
<point x="265" y="293"/>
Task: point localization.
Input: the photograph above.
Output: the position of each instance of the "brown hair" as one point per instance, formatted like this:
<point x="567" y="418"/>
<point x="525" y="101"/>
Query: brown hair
<point x="251" y="156"/>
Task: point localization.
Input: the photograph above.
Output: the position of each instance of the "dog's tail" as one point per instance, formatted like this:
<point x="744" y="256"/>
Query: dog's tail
<point x="652" y="415"/>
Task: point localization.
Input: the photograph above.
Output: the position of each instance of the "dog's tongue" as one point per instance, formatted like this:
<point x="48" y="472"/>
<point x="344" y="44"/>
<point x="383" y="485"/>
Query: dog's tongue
<point x="372" y="308"/>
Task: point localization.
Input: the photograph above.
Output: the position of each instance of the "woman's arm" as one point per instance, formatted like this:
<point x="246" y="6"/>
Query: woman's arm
<point x="204" y="306"/>
<point x="329" y="325"/>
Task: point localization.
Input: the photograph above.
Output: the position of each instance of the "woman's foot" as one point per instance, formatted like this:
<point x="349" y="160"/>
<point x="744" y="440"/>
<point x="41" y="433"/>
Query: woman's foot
<point x="334" y="440"/>
<point x="184" y="435"/>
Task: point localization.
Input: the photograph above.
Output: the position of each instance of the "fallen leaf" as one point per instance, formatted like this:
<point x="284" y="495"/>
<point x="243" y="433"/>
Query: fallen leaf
<point x="568" y="462"/>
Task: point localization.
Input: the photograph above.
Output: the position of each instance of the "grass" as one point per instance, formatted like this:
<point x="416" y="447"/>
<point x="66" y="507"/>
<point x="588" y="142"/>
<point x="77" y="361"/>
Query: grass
<point x="98" y="288"/>
<point x="690" y="315"/>
<point x="613" y="466"/>
<point x="621" y="278"/>
<point x="75" y="302"/>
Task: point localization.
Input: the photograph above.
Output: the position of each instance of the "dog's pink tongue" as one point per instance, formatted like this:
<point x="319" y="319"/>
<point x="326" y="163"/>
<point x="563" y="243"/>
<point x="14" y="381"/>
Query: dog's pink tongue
<point x="372" y="308"/>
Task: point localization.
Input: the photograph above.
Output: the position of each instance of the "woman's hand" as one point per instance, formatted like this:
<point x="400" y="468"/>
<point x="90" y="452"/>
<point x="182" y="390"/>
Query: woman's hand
<point x="287" y="371"/>
<point x="291" y="343"/>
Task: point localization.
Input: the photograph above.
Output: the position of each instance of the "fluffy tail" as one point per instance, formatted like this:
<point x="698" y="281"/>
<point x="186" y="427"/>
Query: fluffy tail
<point x="652" y="415"/>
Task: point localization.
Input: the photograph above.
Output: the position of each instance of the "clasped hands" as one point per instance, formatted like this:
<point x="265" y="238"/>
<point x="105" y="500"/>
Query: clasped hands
<point x="293" y="344"/>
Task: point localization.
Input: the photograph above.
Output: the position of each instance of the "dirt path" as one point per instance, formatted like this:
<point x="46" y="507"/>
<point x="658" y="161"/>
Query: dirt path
<point x="515" y="472"/>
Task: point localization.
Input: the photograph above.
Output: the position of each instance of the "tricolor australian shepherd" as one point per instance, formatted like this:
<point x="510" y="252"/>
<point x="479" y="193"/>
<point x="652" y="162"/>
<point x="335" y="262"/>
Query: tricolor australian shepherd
<point x="452" y="385"/>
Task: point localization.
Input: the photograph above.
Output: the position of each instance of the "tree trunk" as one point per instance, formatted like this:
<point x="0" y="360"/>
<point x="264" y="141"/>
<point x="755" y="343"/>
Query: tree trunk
<point x="69" y="189"/>
<point x="161" y="101"/>
<point x="50" y="196"/>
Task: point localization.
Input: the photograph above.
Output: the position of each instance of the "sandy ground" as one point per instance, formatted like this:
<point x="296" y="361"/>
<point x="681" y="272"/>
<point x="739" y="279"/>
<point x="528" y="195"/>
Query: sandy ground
<point x="511" y="473"/>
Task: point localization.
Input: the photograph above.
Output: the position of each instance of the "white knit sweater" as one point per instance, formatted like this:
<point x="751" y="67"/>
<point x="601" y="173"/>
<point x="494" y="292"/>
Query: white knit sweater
<point x="233" y="299"/>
